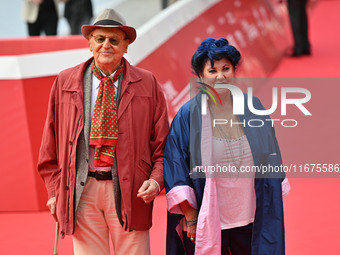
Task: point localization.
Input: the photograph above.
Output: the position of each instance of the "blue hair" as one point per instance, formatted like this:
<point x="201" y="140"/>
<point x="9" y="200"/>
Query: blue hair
<point x="214" y="49"/>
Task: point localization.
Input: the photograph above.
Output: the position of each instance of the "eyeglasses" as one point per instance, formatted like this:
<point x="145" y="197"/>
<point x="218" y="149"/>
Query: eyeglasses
<point x="101" y="39"/>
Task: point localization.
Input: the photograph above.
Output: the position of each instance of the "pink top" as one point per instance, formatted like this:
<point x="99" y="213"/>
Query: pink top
<point x="236" y="191"/>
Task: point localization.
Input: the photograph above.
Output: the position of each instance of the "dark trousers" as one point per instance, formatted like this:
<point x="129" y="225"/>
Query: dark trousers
<point x="299" y="22"/>
<point x="77" y="21"/>
<point x="235" y="241"/>
<point x="78" y="13"/>
<point x="47" y="22"/>
<point x="165" y="4"/>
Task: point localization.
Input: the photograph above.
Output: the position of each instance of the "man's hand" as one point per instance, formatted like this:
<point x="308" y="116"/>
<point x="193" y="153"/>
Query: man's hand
<point x="51" y="204"/>
<point x="148" y="191"/>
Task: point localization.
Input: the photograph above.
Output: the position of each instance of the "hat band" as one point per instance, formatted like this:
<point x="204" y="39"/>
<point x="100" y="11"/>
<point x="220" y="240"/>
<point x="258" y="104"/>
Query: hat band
<point x="106" y="22"/>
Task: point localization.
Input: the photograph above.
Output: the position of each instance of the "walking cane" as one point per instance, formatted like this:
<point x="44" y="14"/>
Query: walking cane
<point x="56" y="238"/>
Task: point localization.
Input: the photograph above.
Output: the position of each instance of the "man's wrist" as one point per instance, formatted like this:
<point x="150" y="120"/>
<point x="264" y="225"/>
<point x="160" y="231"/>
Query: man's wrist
<point x="159" y="187"/>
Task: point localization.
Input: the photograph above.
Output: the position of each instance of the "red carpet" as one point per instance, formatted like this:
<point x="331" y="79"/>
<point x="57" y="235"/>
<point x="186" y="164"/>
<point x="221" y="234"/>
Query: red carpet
<point x="33" y="233"/>
<point x="312" y="209"/>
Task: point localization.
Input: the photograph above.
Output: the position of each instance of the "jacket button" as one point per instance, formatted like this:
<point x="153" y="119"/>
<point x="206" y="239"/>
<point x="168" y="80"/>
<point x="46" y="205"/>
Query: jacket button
<point x="67" y="188"/>
<point x="70" y="142"/>
<point x="82" y="183"/>
<point x="62" y="233"/>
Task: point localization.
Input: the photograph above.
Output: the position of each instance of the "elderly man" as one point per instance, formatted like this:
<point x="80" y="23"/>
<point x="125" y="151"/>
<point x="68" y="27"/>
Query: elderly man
<point x="101" y="156"/>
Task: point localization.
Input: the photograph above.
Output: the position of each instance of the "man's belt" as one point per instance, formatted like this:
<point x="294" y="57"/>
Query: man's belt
<point x="101" y="175"/>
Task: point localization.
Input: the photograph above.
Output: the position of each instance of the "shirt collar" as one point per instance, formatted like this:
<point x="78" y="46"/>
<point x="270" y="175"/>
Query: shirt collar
<point x="111" y="75"/>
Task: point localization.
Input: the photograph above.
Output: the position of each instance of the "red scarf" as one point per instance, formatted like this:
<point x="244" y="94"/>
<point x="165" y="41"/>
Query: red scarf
<point x="104" y="127"/>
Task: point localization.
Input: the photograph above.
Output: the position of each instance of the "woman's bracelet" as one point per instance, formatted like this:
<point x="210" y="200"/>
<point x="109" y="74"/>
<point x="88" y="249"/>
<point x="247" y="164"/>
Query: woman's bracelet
<point x="191" y="222"/>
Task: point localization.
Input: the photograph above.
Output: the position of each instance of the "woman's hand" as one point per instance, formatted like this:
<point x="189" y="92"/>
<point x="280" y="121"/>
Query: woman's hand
<point x="191" y="215"/>
<point x="191" y="229"/>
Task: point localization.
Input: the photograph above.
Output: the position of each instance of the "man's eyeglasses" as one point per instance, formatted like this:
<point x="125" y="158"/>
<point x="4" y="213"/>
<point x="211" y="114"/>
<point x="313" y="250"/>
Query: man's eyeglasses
<point x="101" y="39"/>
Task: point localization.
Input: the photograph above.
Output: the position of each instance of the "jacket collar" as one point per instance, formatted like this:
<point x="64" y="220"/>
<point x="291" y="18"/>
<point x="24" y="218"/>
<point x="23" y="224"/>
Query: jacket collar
<point x="131" y="74"/>
<point x="75" y="82"/>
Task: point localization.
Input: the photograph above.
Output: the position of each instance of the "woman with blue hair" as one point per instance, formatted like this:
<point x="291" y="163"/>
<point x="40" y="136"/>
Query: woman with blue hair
<point x="213" y="207"/>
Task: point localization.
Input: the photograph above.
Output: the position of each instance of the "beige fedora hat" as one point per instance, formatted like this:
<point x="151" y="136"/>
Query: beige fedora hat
<point x="110" y="18"/>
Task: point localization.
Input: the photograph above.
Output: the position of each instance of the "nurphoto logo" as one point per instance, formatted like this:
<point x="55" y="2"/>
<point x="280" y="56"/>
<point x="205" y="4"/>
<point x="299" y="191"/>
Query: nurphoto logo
<point x="239" y="104"/>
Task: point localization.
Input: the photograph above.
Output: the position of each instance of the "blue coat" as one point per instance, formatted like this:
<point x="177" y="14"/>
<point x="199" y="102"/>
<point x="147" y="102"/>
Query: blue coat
<point x="183" y="152"/>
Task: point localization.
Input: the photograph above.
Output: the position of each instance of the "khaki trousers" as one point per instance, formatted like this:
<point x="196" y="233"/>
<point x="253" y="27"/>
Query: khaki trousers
<point x="97" y="220"/>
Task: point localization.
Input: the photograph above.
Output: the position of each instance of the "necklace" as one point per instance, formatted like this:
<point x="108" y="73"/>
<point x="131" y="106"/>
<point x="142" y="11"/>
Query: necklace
<point x="236" y="159"/>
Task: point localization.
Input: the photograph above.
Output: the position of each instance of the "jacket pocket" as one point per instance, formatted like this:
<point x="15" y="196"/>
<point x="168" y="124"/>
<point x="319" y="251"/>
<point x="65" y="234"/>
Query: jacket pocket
<point x="145" y="168"/>
<point x="57" y="180"/>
